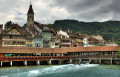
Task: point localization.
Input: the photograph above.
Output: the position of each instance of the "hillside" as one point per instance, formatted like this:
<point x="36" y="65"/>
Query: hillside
<point x="110" y="30"/>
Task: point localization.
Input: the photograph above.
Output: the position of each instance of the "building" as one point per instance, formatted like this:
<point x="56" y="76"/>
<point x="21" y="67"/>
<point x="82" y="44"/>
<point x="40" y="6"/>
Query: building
<point x="16" y="36"/>
<point x="41" y="34"/>
<point x="100" y="39"/>
<point x="46" y="37"/>
<point x="1" y="29"/>
<point x="33" y="35"/>
<point x="65" y="40"/>
<point x="82" y="40"/>
<point x="111" y="44"/>
<point x="55" y="41"/>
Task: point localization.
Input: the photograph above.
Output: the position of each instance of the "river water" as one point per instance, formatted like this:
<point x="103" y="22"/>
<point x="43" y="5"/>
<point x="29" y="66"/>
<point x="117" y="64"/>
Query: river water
<point x="69" y="70"/>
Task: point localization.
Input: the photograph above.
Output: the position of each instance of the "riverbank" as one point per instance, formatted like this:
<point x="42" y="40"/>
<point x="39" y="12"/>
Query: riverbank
<point x="68" y="70"/>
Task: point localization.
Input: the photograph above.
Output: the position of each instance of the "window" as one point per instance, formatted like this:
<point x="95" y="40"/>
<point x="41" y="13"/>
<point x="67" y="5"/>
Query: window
<point x="5" y="43"/>
<point x="14" y="37"/>
<point x="22" y="43"/>
<point x="18" y="43"/>
<point x="30" y="45"/>
<point x="13" y="32"/>
<point x="14" y="43"/>
<point x="27" y="45"/>
<point x="9" y="43"/>
<point x="30" y="40"/>
<point x="37" y="45"/>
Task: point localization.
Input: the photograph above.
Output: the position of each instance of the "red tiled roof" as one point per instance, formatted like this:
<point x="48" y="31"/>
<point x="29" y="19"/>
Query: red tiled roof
<point x="52" y="30"/>
<point x="93" y="49"/>
<point x="57" y="50"/>
<point x="30" y="50"/>
<point x="39" y="25"/>
<point x="92" y="39"/>
<point x="30" y="11"/>
<point x="35" y="31"/>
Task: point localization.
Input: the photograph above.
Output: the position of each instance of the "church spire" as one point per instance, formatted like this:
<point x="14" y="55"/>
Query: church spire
<point x="30" y="11"/>
<point x="30" y="16"/>
<point x="30" y="2"/>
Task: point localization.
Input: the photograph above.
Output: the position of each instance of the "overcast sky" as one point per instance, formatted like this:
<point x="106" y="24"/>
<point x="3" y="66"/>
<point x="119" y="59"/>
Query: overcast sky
<point x="47" y="11"/>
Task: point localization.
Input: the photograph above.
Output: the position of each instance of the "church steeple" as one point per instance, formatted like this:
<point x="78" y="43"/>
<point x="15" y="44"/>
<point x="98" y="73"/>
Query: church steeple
<point x="30" y="17"/>
<point x="30" y="11"/>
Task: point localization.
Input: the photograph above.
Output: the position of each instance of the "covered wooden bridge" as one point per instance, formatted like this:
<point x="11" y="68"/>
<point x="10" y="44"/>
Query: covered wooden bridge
<point x="10" y="54"/>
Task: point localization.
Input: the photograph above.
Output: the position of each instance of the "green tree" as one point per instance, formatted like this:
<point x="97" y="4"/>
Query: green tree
<point x="50" y="25"/>
<point x="8" y="23"/>
<point x="24" y="25"/>
<point x="119" y="52"/>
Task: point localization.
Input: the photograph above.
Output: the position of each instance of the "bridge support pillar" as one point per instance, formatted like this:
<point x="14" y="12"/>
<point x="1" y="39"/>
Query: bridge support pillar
<point x="100" y="61"/>
<point x="50" y="62"/>
<point x="71" y="61"/>
<point x="25" y="63"/>
<point x="80" y="61"/>
<point x="38" y="62"/>
<point x="90" y="61"/>
<point x="111" y="61"/>
<point x="60" y="62"/>
<point x="11" y="63"/>
<point x="1" y="63"/>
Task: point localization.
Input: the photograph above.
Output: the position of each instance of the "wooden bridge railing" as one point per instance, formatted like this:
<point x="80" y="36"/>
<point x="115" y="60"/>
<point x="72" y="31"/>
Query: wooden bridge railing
<point x="51" y="57"/>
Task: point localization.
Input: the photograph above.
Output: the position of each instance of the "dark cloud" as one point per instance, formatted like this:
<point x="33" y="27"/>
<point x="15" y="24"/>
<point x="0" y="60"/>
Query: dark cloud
<point x="47" y="11"/>
<point x="91" y="10"/>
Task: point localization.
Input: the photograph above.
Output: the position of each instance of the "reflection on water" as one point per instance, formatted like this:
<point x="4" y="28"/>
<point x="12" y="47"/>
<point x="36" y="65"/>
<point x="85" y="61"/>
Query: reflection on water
<point x="70" y="70"/>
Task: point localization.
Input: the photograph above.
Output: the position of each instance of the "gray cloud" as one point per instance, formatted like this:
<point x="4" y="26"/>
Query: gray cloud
<point x="91" y="10"/>
<point x="47" y="11"/>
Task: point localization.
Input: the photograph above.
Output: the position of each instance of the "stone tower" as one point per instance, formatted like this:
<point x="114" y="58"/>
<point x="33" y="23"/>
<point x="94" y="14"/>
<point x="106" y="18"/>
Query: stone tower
<point x="30" y="17"/>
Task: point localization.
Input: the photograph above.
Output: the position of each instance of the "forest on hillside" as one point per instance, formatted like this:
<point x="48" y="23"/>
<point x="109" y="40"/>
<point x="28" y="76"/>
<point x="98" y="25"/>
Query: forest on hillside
<point x="110" y="30"/>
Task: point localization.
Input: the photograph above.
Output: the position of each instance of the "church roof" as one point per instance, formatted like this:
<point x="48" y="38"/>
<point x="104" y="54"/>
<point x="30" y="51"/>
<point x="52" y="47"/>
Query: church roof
<point x="30" y="11"/>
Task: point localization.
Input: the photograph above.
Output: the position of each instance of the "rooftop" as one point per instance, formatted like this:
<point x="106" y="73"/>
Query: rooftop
<point x="57" y="50"/>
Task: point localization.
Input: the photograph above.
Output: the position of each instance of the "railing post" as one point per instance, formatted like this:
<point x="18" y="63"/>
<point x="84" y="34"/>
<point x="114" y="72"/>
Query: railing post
<point x="50" y="62"/>
<point x="80" y="61"/>
<point x="38" y="62"/>
<point x="111" y="61"/>
<point x="71" y="61"/>
<point x="11" y="63"/>
<point x="25" y="63"/>
<point x="99" y="61"/>
<point x="1" y="63"/>
<point x="60" y="62"/>
<point x="90" y="60"/>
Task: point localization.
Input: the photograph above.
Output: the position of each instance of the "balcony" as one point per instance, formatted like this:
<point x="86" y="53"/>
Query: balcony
<point x="65" y="43"/>
<point x="14" y="39"/>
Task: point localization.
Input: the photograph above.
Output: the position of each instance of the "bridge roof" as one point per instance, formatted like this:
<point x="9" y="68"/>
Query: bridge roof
<point x="30" y="50"/>
<point x="57" y="50"/>
<point x="94" y="49"/>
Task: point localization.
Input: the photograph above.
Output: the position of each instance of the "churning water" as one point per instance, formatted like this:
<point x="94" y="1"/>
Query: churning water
<point x="70" y="70"/>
